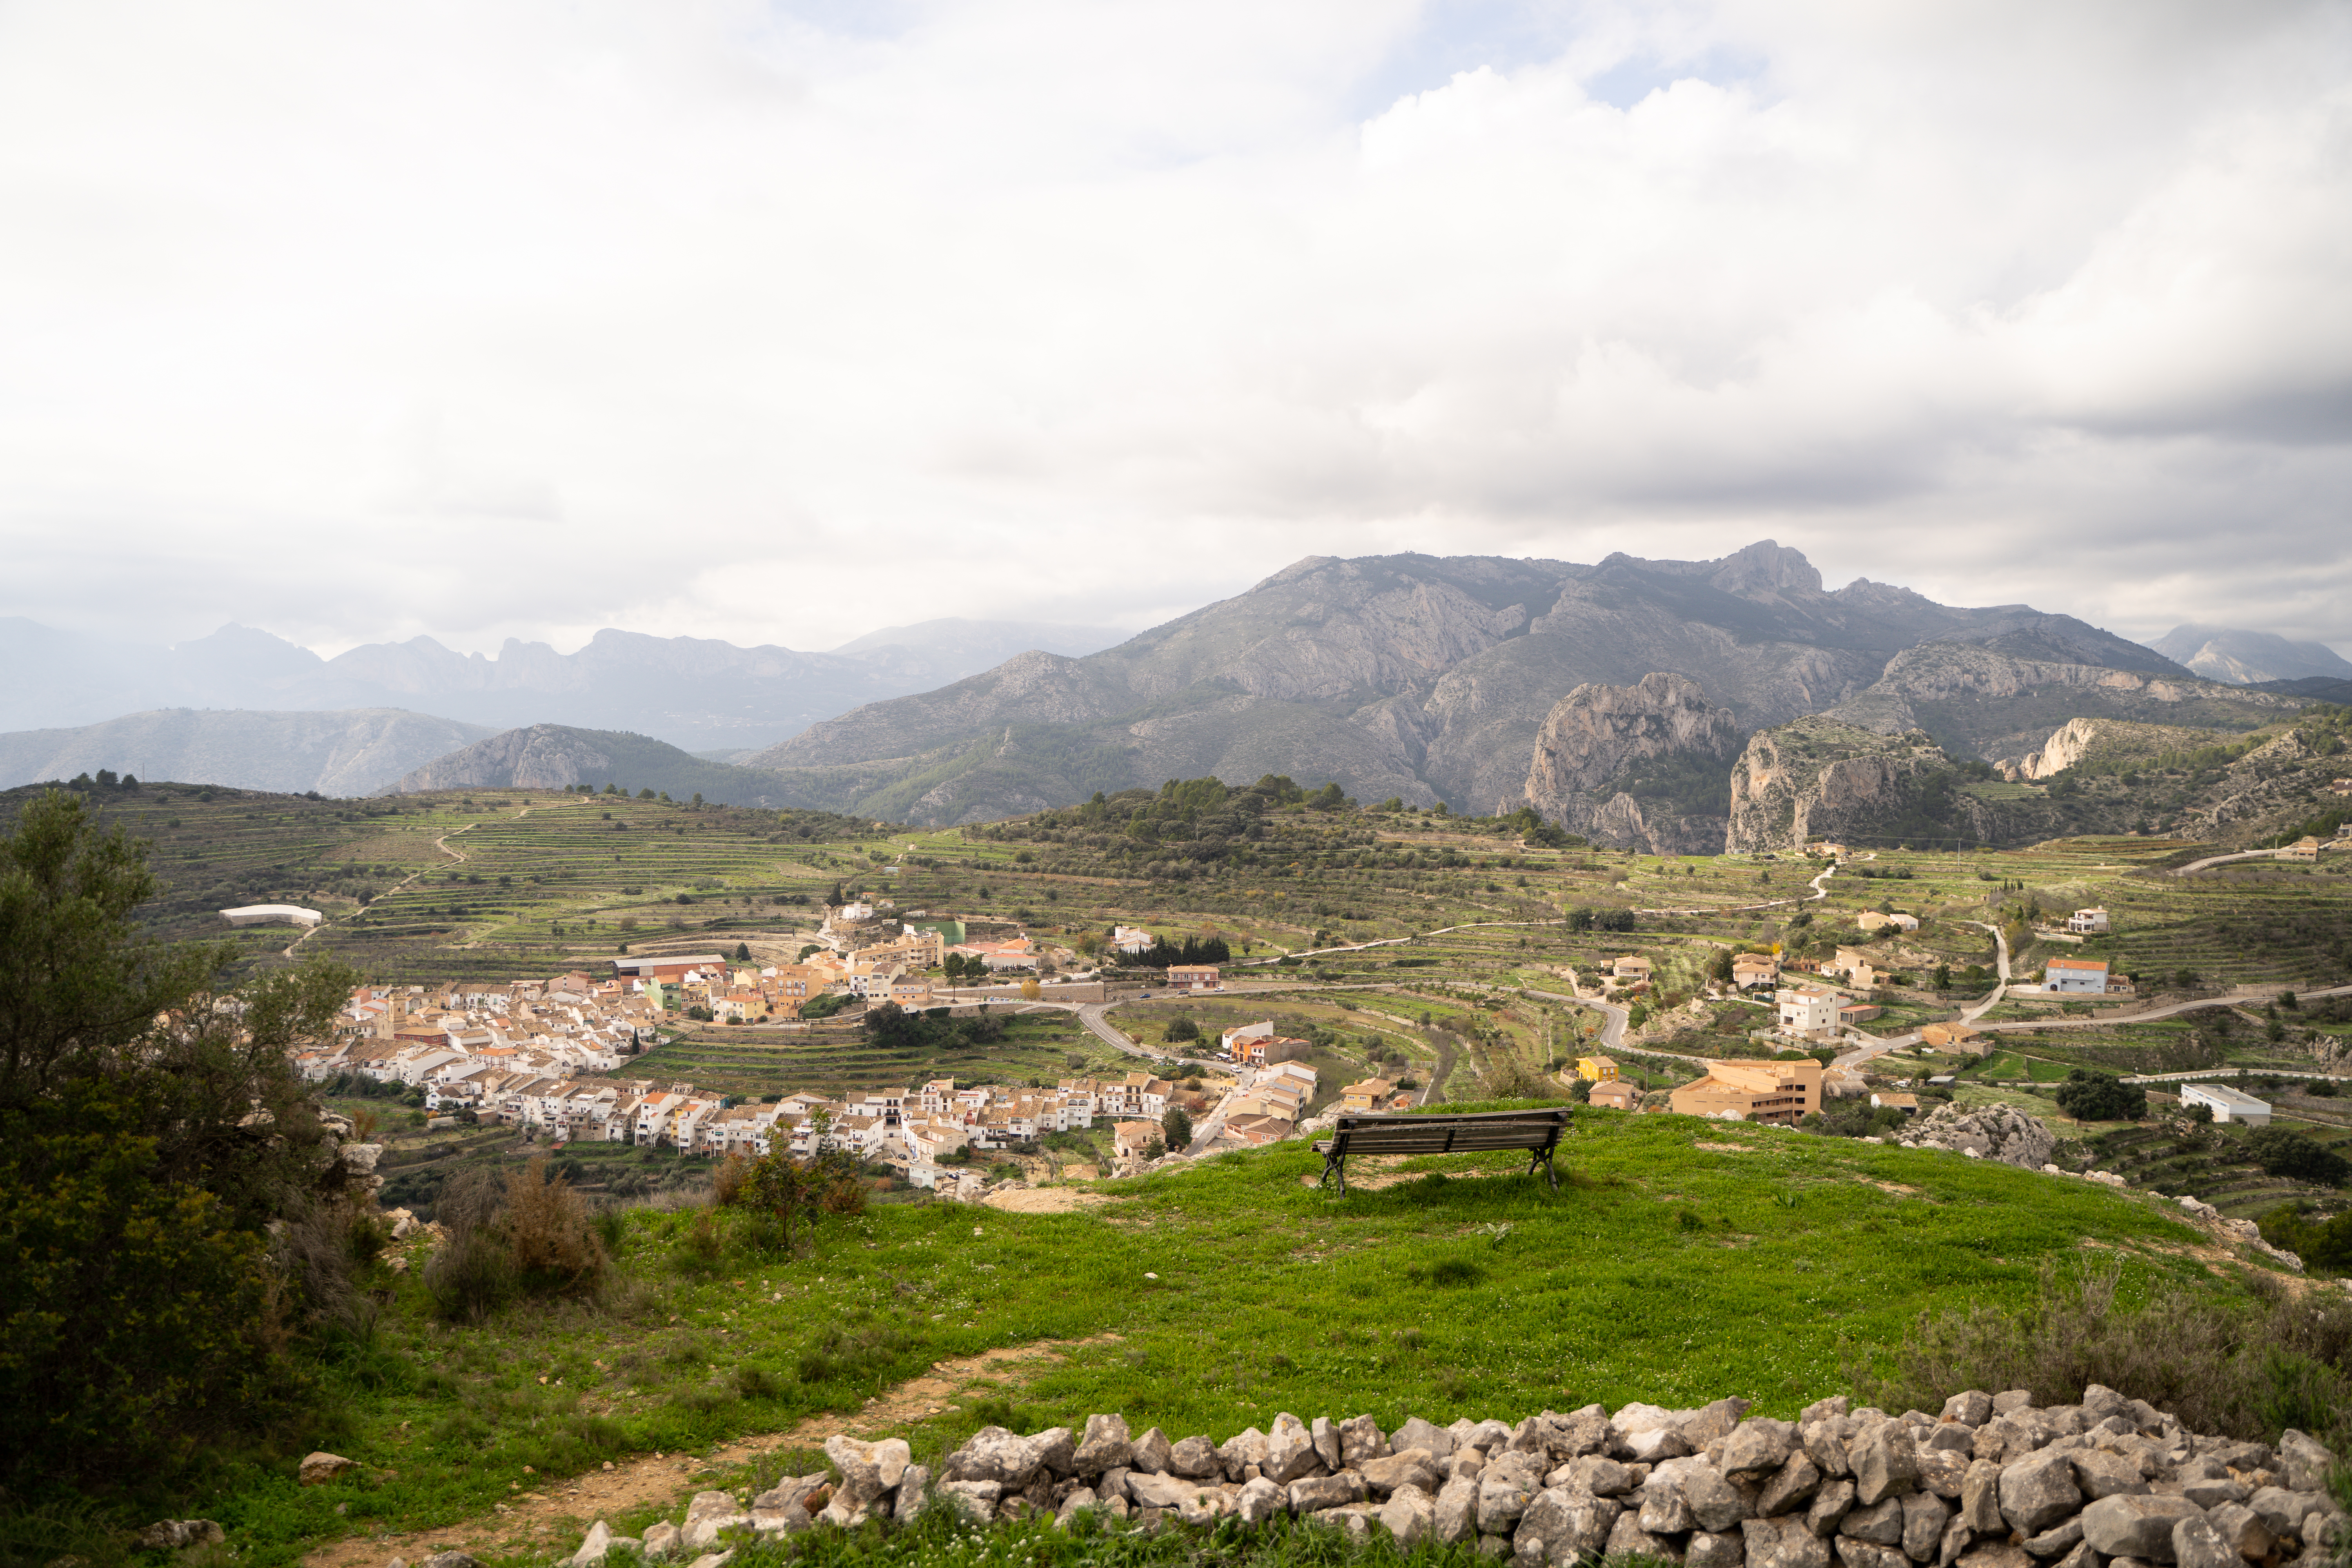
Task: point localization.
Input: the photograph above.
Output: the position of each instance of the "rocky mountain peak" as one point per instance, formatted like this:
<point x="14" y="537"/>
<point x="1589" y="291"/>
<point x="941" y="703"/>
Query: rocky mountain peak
<point x="1766" y="569"/>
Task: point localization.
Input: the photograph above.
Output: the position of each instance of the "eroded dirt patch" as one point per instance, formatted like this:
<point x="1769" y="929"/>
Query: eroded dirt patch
<point x="546" y="1518"/>
<point x="1724" y="1147"/>
<point x="1045" y="1200"/>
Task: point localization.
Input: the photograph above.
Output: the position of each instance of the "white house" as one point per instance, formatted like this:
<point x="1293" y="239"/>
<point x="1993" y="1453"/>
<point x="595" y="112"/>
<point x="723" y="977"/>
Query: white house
<point x="2227" y="1104"/>
<point x="1231" y="1038"/>
<point x="1808" y="1008"/>
<point x="2087" y="922"/>
<point x="2076" y="976"/>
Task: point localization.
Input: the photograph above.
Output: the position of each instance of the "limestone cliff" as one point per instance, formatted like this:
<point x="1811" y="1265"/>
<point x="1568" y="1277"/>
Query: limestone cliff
<point x="1639" y="765"/>
<point x="1821" y="778"/>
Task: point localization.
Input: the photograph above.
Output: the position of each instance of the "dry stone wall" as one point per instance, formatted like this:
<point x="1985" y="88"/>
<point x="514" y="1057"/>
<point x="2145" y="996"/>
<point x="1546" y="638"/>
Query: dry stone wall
<point x="1991" y="1481"/>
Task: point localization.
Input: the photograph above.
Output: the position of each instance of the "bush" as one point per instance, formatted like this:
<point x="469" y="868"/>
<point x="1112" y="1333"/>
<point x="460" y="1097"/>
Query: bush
<point x="1183" y="1029"/>
<point x="2100" y="1097"/>
<point x="2246" y="1365"/>
<point x="2282" y="1151"/>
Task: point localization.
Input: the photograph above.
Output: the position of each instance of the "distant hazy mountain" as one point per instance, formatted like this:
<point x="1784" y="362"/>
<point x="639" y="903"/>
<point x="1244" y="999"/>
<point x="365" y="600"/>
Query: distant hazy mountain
<point x="2242" y="658"/>
<point x="555" y="756"/>
<point x="336" y="753"/>
<point x="1404" y="675"/>
<point x="692" y="692"/>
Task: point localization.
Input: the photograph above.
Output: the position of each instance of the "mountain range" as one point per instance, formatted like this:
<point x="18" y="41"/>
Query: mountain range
<point x="694" y="692"/>
<point x="2247" y="658"/>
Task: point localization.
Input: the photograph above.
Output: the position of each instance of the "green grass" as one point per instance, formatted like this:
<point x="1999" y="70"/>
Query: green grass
<point x="1269" y="1296"/>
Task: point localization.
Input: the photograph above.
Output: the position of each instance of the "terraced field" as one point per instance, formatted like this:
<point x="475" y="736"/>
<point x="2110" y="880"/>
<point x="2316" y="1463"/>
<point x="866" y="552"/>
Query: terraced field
<point x="1042" y="1047"/>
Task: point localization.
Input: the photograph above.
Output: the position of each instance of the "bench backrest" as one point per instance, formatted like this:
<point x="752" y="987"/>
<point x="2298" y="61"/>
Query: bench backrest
<point x="1442" y="1134"/>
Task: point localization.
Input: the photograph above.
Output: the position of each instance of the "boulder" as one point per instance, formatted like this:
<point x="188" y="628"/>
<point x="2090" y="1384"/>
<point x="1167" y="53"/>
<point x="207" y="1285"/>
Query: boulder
<point x="1782" y="1544"/>
<point x="1105" y="1447"/>
<point x="1852" y="1551"/>
<point x="2133" y="1526"/>
<point x="1148" y="1454"/>
<point x="598" y="1541"/>
<point x="2196" y="1543"/>
<point x="1487" y="1436"/>
<point x="1885" y="1462"/>
<point x="1923" y="1515"/>
<point x="869" y="1469"/>
<point x="914" y="1491"/>
<point x="1195" y="1459"/>
<point x="1326" y="1438"/>
<point x="2038" y="1490"/>
<point x="1995" y="1554"/>
<point x="1990" y="1132"/>
<point x="1506" y="1486"/>
<point x="1573" y="1436"/>
<point x="975" y="1500"/>
<point x="2305" y="1462"/>
<point x="1456" y="1519"/>
<point x="1712" y="1423"/>
<point x="1411" y="1468"/>
<point x="1628" y="1539"/>
<point x="1830" y="1506"/>
<point x="171" y="1534"/>
<point x="1289" y="1450"/>
<point x="1436" y="1441"/>
<point x="2209" y="1494"/>
<point x="1258" y="1500"/>
<point x="1943" y="1470"/>
<point x="1880" y="1523"/>
<point x="1590" y="1519"/>
<point x="1055" y="1451"/>
<point x="1360" y="1441"/>
<point x="1600" y="1476"/>
<point x="2281" y="1511"/>
<point x="2105" y="1475"/>
<point x="1316" y="1493"/>
<point x="318" y="1468"/>
<point x="1408" y="1516"/>
<point x="1664" y="1509"/>
<point x="992" y="1453"/>
<point x="2081" y="1556"/>
<point x="1714" y="1502"/>
<point x="1155" y="1491"/>
<point x="1973" y="1408"/>
<point x="2056" y="1541"/>
<point x="1951" y="1435"/>
<point x="1240" y="1452"/>
<point x="1795" y="1482"/>
<point x="1081" y="1496"/>
<point x="1980" y="1498"/>
<point x="1655" y="1446"/>
<point x="1706" y="1549"/>
<point x="2243" y="1529"/>
<point x="711" y="1512"/>
<point x="1758" y="1446"/>
<point x="1825" y="1447"/>
<point x="660" y="1541"/>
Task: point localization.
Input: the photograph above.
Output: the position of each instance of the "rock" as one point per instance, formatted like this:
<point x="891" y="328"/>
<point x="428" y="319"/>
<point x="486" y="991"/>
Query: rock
<point x="1576" y="1435"/>
<point x="2132" y="1526"/>
<point x="1258" y="1500"/>
<point x="1713" y="1501"/>
<point x="1205" y="1506"/>
<point x="1106" y="1447"/>
<point x="1466" y="1463"/>
<point x="1655" y="1446"/>
<point x="993" y="1454"/>
<point x="1712" y="1423"/>
<point x="1408" y="1516"/>
<point x="1487" y="1436"/>
<point x="1150" y="1489"/>
<point x="1782" y="1544"/>
<point x="869" y="1469"/>
<point x="1980" y="1498"/>
<point x="1195" y="1459"/>
<point x="1506" y="1486"/>
<point x="2244" y="1531"/>
<point x="1880" y="1523"/>
<point x="1083" y="1497"/>
<point x="711" y="1512"/>
<point x="661" y="1539"/>
<point x="1852" y="1551"/>
<point x="1289" y="1450"/>
<point x="1360" y="1441"/>
<point x="1241" y="1453"/>
<point x="2105" y="1475"/>
<point x="1412" y="1467"/>
<point x="2056" y="1541"/>
<point x="2196" y="1543"/>
<point x="455" y="1560"/>
<point x="1973" y="1408"/>
<point x="2281" y="1511"/>
<point x="599" y="1540"/>
<point x="1830" y="1507"/>
<point x="1758" y="1446"/>
<point x="1885" y="1462"/>
<point x="714" y="1559"/>
<point x="1436" y="1441"/>
<point x="1150" y="1453"/>
<point x="1795" y="1482"/>
<point x="1317" y="1493"/>
<point x="319" y="1468"/>
<point x="1943" y="1470"/>
<point x="1708" y="1549"/>
<point x="1457" y="1510"/>
<point x="914" y="1491"/>
<point x="1056" y="1452"/>
<point x="1954" y="1436"/>
<point x="2081" y="1556"/>
<point x="1326" y="1438"/>
<point x="1628" y="1539"/>
<point x="1600" y="1476"/>
<point x="2211" y="1494"/>
<point x="2306" y="1463"/>
<point x="2009" y="1399"/>
<point x="2038" y="1491"/>
<point x="171" y="1534"/>
<point x="1995" y="1554"/>
<point x="975" y="1500"/>
<point x="1923" y="1515"/>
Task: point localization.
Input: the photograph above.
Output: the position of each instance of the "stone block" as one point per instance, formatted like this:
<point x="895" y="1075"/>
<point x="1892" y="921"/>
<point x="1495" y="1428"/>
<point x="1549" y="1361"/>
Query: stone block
<point x="1105" y="1447"/>
<point x="1758" y="1446"/>
<point x="2127" y="1525"/>
<point x="1195" y="1460"/>
<point x="1412" y="1466"/>
<point x="1317" y="1493"/>
<point x="1457" y="1510"/>
<point x="1923" y="1514"/>
<point x="1150" y="1453"/>
<point x="1506" y="1486"/>
<point x="1885" y="1462"/>
<point x="1360" y="1441"/>
<point x="1715" y="1503"/>
<point x="2105" y="1475"/>
<point x="1973" y="1408"/>
<point x="1418" y="1433"/>
<point x="2197" y="1544"/>
<point x="1326" y="1438"/>
<point x="1289" y="1450"/>
<point x="2037" y="1491"/>
<point x="2305" y="1461"/>
<point x="1830" y="1506"/>
<point x="1880" y="1523"/>
<point x="1709" y="1549"/>
<point x="2243" y="1529"/>
<point x="1782" y="1544"/>
<point x="1794" y="1483"/>
<point x="1408" y="1516"/>
<point x="1259" y="1500"/>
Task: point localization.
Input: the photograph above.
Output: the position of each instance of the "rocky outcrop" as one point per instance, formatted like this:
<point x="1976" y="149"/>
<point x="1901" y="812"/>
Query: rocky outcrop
<point x="1819" y="778"/>
<point x="1597" y="738"/>
<point x="1991" y="1482"/>
<point x="1998" y="1132"/>
<point x="2061" y="751"/>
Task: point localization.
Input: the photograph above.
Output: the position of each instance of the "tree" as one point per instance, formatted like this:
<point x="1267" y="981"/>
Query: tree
<point x="1183" y="1029"/>
<point x="743" y="952"/>
<point x="1031" y="990"/>
<point x="1943" y="977"/>
<point x="1176" y="1127"/>
<point x="1720" y="969"/>
<point x="2100" y="1097"/>
<point x="2281" y="1151"/>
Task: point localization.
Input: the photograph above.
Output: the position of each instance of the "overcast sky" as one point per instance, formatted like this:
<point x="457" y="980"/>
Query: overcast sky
<point x="779" y="323"/>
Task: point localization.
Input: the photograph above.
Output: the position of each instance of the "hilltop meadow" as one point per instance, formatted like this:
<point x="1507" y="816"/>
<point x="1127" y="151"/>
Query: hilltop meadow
<point x="1680" y="1261"/>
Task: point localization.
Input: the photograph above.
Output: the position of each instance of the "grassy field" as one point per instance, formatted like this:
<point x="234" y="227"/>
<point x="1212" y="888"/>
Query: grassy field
<point x="1681" y="1261"/>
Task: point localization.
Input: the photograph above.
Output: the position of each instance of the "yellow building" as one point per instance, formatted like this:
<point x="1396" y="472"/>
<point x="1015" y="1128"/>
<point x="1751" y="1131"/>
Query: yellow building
<point x="1753" y="1090"/>
<point x="1596" y="1069"/>
<point x="1372" y="1094"/>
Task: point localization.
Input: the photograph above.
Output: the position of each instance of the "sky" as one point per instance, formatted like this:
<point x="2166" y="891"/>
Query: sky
<point x="779" y="323"/>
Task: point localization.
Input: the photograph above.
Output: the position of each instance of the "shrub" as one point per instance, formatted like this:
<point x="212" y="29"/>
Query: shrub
<point x="2240" y="1365"/>
<point x="2282" y="1151"/>
<point x="1183" y="1029"/>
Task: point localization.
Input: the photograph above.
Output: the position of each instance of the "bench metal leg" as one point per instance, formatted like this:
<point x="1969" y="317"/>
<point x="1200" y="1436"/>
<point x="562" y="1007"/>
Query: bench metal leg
<point x="1540" y="1159"/>
<point x="1334" y="1164"/>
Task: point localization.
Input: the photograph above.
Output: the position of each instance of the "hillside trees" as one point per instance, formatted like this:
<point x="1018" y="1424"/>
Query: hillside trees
<point x="2100" y="1097"/>
<point x="172" y="1210"/>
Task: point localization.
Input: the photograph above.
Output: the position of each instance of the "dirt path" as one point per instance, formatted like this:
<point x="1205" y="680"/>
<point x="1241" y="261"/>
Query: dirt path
<point x="1044" y="1200"/>
<point x="552" y="1518"/>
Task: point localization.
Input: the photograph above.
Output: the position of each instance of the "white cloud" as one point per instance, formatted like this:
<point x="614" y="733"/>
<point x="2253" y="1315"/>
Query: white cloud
<point x="355" y="321"/>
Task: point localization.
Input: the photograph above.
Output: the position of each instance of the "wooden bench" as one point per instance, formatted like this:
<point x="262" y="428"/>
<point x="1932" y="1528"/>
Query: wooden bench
<point x="1536" y="1132"/>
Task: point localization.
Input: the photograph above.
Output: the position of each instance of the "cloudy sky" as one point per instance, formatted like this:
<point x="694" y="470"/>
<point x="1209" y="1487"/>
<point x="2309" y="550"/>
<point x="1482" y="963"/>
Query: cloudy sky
<point x="779" y="323"/>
